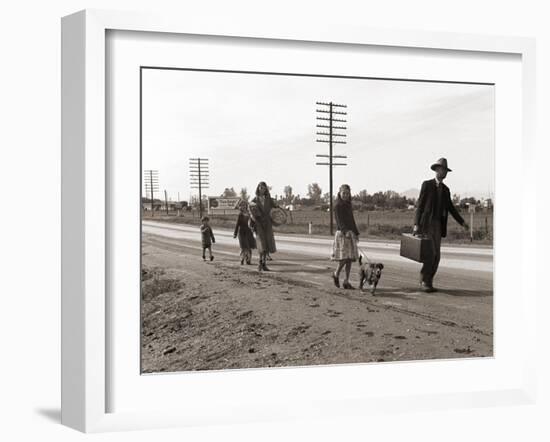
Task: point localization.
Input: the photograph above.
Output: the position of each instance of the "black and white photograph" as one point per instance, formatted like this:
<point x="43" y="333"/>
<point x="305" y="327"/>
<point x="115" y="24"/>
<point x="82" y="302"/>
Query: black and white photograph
<point x="296" y="221"/>
<point x="292" y="220"/>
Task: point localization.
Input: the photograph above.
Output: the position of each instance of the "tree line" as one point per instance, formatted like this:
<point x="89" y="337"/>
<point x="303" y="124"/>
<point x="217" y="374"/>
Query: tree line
<point x="386" y="200"/>
<point x="316" y="198"/>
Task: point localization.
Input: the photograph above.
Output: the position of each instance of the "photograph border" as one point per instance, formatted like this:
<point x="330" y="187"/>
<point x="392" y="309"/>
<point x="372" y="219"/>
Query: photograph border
<point x="143" y="68"/>
<point x="85" y="200"/>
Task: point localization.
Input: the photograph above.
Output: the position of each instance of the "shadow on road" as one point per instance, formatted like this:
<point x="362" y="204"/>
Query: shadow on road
<point x="309" y="259"/>
<point x="291" y="269"/>
<point x="474" y="293"/>
<point x="406" y="293"/>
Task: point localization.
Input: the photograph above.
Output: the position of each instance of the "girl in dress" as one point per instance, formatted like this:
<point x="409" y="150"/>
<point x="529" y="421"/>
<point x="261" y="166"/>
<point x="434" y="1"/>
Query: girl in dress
<point x="244" y="232"/>
<point x="346" y="237"/>
<point x="260" y="213"/>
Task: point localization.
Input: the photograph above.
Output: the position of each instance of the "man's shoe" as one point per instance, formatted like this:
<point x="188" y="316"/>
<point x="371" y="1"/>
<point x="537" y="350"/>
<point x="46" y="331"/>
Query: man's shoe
<point x="428" y="288"/>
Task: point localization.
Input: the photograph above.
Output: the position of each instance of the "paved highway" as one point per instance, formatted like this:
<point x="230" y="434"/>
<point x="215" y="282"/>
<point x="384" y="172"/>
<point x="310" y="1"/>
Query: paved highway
<point x="465" y="278"/>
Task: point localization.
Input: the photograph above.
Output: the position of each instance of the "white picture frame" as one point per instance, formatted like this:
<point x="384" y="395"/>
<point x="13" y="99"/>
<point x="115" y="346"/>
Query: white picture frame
<point x="85" y="312"/>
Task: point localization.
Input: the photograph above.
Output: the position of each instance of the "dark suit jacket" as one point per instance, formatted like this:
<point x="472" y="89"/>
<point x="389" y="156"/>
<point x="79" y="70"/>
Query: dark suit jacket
<point x="426" y="204"/>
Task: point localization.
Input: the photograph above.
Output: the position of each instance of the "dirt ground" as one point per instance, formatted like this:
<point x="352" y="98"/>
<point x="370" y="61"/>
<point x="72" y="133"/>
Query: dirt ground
<point x="220" y="315"/>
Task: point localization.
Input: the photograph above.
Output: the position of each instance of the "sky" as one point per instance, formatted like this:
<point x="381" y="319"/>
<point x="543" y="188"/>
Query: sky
<point x="258" y="127"/>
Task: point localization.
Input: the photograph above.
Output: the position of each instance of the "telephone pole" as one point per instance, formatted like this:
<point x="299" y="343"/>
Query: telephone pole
<point x="151" y="180"/>
<point x="329" y="114"/>
<point x="199" y="176"/>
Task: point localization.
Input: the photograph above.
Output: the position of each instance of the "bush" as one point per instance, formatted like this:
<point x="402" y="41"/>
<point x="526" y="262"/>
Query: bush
<point x="478" y="235"/>
<point x="385" y="230"/>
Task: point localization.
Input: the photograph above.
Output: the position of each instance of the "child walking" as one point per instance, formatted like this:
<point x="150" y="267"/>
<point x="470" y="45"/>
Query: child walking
<point x="244" y="232"/>
<point x="346" y="238"/>
<point x="207" y="237"/>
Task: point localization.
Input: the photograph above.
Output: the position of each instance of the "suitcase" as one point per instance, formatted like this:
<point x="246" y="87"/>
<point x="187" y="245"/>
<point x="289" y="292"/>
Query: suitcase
<point x="418" y="248"/>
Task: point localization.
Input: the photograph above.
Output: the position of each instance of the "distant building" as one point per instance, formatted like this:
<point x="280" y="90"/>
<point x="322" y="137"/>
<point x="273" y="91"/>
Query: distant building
<point x="161" y="206"/>
<point x="172" y="206"/>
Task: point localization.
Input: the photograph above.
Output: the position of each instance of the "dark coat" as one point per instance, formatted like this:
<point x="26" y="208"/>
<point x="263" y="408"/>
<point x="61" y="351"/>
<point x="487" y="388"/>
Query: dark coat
<point x="207" y="236"/>
<point x="345" y="220"/>
<point x="426" y="205"/>
<point x="262" y="224"/>
<point x="244" y="232"/>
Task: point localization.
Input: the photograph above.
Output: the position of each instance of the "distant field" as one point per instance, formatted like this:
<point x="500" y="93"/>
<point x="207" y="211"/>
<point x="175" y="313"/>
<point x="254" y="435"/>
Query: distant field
<point x="377" y="224"/>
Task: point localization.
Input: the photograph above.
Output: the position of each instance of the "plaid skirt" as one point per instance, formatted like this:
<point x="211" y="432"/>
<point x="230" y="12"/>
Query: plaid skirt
<point x="345" y="246"/>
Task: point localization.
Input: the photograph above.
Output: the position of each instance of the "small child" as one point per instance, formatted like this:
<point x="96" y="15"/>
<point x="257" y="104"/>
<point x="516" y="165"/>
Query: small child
<point x="207" y="237"/>
<point x="244" y="232"/>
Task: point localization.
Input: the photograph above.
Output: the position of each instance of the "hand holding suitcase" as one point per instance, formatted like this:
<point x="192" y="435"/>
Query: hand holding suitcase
<point x="416" y="247"/>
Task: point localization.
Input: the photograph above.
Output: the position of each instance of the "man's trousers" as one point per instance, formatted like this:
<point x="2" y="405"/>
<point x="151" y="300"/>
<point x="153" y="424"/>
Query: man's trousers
<point x="429" y="268"/>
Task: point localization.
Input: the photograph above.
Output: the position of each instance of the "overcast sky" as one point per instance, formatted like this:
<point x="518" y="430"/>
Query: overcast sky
<point x="256" y="127"/>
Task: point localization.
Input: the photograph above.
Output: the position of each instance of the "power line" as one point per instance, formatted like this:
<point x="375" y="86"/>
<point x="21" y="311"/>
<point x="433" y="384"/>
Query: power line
<point x="199" y="176"/>
<point x="151" y="180"/>
<point x="331" y="137"/>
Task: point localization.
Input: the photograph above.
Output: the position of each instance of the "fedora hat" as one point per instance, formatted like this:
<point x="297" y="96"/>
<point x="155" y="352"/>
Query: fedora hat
<point x="441" y="162"/>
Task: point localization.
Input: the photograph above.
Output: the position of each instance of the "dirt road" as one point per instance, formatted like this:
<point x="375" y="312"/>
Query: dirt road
<point x="218" y="315"/>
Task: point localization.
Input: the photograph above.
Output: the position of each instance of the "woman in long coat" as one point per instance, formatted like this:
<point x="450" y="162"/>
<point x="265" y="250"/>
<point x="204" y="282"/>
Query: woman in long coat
<point x="244" y="232"/>
<point x="346" y="237"/>
<point x="260" y="214"/>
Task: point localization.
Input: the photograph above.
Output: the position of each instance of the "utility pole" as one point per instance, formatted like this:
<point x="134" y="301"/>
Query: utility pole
<point x="151" y="180"/>
<point x="472" y="210"/>
<point x="332" y="136"/>
<point x="199" y="177"/>
<point x="166" y="201"/>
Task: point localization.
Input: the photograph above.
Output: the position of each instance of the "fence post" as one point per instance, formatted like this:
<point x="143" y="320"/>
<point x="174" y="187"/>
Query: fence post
<point x="471" y="226"/>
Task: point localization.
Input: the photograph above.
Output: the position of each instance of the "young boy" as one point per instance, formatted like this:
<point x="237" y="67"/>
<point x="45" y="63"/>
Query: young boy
<point x="207" y="237"/>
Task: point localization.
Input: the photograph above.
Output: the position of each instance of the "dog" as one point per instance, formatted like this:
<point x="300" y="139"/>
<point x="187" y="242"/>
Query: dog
<point x="369" y="272"/>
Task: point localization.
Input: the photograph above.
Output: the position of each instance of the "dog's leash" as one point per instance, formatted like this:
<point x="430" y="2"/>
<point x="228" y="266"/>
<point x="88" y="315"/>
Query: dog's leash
<point x="362" y="252"/>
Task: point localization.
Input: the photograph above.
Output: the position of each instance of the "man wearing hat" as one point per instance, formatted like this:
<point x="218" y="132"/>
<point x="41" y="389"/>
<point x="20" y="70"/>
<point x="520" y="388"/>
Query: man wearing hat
<point x="433" y="207"/>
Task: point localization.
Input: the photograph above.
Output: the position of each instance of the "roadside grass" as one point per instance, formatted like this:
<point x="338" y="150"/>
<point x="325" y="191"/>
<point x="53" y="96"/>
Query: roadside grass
<point x="382" y="225"/>
<point x="154" y="282"/>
